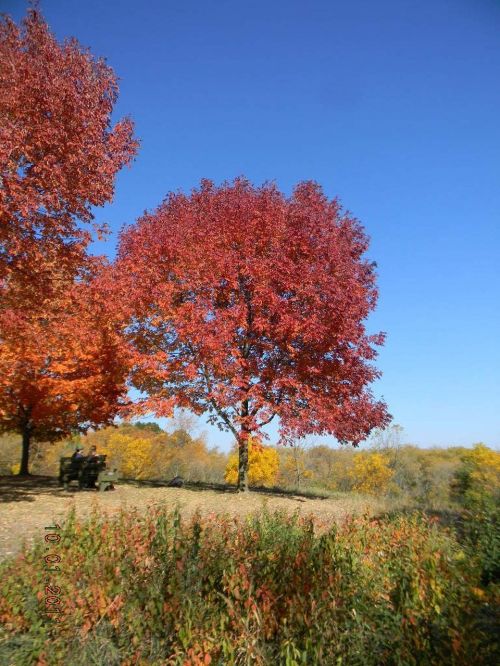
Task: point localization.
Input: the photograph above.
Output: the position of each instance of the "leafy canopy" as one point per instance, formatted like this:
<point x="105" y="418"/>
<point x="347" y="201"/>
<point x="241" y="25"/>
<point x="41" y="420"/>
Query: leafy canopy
<point x="247" y="304"/>
<point x="64" y="371"/>
<point x="476" y="482"/>
<point x="60" y="365"/>
<point x="59" y="153"/>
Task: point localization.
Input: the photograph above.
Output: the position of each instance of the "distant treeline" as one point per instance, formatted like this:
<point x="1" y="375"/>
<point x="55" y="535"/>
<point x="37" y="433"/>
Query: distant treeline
<point x="425" y="476"/>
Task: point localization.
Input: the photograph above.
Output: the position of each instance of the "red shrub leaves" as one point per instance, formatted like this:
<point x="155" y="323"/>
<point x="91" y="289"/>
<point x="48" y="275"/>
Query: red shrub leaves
<point x="397" y="591"/>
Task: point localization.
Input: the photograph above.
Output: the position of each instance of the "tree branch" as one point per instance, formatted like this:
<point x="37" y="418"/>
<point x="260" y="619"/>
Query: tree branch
<point x="218" y="410"/>
<point x="260" y="425"/>
<point x="224" y="417"/>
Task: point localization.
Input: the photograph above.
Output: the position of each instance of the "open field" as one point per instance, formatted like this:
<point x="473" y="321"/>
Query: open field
<point x="28" y="505"/>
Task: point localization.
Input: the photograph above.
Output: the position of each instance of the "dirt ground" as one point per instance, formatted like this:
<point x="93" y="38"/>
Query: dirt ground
<point x="27" y="505"/>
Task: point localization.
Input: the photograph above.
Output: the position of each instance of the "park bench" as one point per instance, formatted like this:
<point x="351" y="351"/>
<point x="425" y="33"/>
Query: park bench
<point x="89" y="471"/>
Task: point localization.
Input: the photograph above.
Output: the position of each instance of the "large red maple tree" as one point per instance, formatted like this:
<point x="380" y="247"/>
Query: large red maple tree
<point x="250" y="305"/>
<point x="60" y="363"/>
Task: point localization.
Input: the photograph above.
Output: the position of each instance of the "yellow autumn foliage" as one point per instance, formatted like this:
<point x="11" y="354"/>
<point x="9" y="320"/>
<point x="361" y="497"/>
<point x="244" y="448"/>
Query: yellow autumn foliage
<point x="148" y="454"/>
<point x="294" y="469"/>
<point x="133" y="456"/>
<point x="263" y="466"/>
<point x="370" y="473"/>
<point x="478" y="478"/>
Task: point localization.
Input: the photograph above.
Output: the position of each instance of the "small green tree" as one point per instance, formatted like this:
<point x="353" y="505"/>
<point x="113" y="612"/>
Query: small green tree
<point x="476" y="484"/>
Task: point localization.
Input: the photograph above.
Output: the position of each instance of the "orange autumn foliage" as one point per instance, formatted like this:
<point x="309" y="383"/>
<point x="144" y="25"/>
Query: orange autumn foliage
<point x="143" y="453"/>
<point x="60" y="371"/>
<point x="60" y="368"/>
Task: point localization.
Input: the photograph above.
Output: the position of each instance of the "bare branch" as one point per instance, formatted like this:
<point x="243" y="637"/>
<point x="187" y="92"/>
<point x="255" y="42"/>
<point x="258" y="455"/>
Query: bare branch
<point x="260" y="425"/>
<point x="219" y="411"/>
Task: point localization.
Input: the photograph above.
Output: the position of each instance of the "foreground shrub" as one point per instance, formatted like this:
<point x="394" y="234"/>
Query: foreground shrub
<point x="476" y="487"/>
<point x="273" y="589"/>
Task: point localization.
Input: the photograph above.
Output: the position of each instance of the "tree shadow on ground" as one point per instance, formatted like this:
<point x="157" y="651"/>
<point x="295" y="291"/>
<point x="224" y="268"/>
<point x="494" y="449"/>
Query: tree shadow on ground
<point x="199" y="486"/>
<point x="186" y="485"/>
<point x="292" y="494"/>
<point x="28" y="488"/>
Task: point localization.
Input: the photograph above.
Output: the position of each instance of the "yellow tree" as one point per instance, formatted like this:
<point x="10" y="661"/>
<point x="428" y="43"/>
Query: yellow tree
<point x="478" y="479"/>
<point x="263" y="464"/>
<point x="371" y="473"/>
<point x="133" y="455"/>
<point x="294" y="469"/>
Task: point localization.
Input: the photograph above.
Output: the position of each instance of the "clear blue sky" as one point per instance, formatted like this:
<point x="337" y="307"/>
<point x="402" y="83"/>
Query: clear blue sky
<point x="393" y="105"/>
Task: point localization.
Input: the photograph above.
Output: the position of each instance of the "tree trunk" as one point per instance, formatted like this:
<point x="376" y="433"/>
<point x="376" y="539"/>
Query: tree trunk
<point x="243" y="461"/>
<point x="24" y="469"/>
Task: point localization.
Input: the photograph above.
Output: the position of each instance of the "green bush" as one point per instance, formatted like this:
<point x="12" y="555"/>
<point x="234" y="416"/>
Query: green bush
<point x="476" y="483"/>
<point x="481" y="533"/>
<point x="272" y="589"/>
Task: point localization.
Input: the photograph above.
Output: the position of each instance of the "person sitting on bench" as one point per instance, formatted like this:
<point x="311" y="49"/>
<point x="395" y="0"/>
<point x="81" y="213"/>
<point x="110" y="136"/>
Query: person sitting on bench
<point x="78" y="454"/>
<point x="92" y="452"/>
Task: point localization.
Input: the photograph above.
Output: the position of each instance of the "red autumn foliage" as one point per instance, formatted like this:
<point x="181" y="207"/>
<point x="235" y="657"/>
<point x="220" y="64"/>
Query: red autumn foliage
<point x="59" y="153"/>
<point x="62" y="369"/>
<point x="60" y="362"/>
<point x="249" y="305"/>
